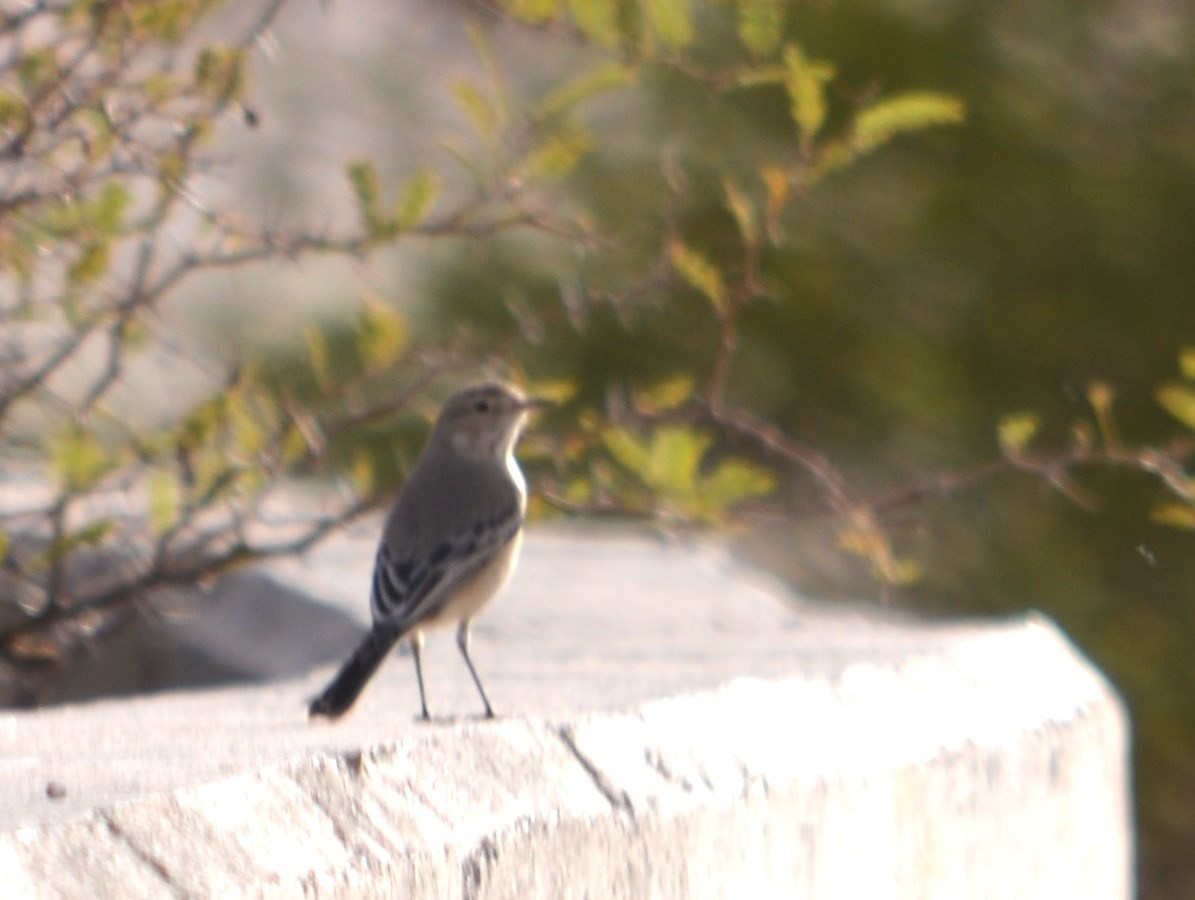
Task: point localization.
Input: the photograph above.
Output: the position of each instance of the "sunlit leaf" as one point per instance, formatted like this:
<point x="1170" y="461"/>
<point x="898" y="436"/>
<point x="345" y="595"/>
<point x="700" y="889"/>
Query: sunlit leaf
<point x="107" y="210"/>
<point x="672" y="21"/>
<point x="735" y="480"/>
<point x="381" y="331"/>
<point x="760" y="24"/>
<point x="1016" y="431"/>
<point x="663" y="395"/>
<point x="903" y="570"/>
<point x="806" y="81"/>
<point x="871" y="544"/>
<point x="1176" y="515"/>
<point x="165" y="500"/>
<point x="363" y="176"/>
<point x="628" y="450"/>
<point x="597" y="20"/>
<point x="248" y="422"/>
<point x="558" y="156"/>
<point x="673" y="459"/>
<point x="743" y="210"/>
<point x="912" y="111"/>
<point x="1179" y="401"/>
<point x="418" y="195"/>
<point x="832" y="155"/>
<point x="77" y="459"/>
<point x="90" y="264"/>
<point x="364" y="473"/>
<point x="317" y="353"/>
<point x="1101" y="397"/>
<point x="297" y="444"/>
<point x="533" y="11"/>
<point x="578" y="490"/>
<point x="606" y="76"/>
<point x="558" y="391"/>
<point x="1186" y="363"/>
<point x="698" y="272"/>
<point x="478" y="109"/>
<point x="778" y="186"/>
<point x="219" y="72"/>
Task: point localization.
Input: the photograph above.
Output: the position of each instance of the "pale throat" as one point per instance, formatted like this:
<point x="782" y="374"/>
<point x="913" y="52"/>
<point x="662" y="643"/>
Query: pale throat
<point x="516" y="474"/>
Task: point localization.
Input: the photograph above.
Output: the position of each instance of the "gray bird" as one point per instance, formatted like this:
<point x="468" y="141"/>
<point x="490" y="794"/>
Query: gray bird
<point x="451" y="541"/>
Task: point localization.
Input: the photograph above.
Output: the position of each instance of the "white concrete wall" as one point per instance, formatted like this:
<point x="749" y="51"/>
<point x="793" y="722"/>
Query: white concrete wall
<point x="670" y="725"/>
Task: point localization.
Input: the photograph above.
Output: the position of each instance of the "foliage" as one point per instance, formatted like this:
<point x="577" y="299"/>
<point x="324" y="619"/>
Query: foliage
<point x="633" y="237"/>
<point x="106" y="117"/>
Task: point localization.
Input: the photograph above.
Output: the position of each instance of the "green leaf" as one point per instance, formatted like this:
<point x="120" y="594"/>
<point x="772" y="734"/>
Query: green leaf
<point x="672" y="462"/>
<point x="248" y="419"/>
<point x="363" y="176"/>
<point x="381" y="334"/>
<point x="806" y="81"/>
<point x="201" y="423"/>
<point x="698" y="272"/>
<point x="741" y="208"/>
<point x="3" y="545"/>
<point x="597" y="20"/>
<point x="760" y="23"/>
<point x="317" y="353"/>
<point x="558" y="391"/>
<point x="912" y="111"/>
<point x="418" y="195"/>
<point x="607" y="76"/>
<point x="364" y="473"/>
<point x="558" y="156"/>
<point x="15" y="116"/>
<point x="478" y="109"/>
<point x="663" y="395"/>
<point x="1016" y="431"/>
<point x="220" y="72"/>
<point x="778" y="187"/>
<point x="629" y="451"/>
<point x="532" y="11"/>
<point x="1176" y="515"/>
<point x="1179" y="401"/>
<point x="91" y="264"/>
<point x="77" y="459"/>
<point x="108" y="209"/>
<point x="672" y="22"/>
<point x="1186" y="363"/>
<point x="165" y="500"/>
<point x="735" y="480"/>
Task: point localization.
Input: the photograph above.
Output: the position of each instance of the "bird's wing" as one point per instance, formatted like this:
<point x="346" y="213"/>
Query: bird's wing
<point x="408" y="588"/>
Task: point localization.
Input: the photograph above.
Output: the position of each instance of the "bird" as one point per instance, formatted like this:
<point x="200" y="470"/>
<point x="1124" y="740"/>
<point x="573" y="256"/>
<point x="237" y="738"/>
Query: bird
<point x="451" y="541"/>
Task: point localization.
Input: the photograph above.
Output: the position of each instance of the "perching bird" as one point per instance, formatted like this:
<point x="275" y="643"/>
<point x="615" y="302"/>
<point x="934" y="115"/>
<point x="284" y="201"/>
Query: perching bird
<point x="451" y="541"/>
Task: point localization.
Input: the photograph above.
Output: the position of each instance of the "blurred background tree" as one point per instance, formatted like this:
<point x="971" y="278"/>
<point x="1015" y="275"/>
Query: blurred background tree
<point x="897" y="293"/>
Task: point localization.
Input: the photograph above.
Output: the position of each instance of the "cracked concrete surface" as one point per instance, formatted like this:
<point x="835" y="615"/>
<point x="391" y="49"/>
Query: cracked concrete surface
<point x="670" y="724"/>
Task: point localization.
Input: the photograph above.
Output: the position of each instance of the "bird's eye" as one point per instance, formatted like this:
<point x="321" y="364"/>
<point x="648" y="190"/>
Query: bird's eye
<point x="482" y="406"/>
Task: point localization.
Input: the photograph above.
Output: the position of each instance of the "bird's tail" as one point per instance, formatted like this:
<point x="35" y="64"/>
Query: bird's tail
<point x="338" y="696"/>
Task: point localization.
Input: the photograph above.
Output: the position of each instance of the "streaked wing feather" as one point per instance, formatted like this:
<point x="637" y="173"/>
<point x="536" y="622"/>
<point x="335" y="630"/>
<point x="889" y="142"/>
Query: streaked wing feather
<point x="407" y="590"/>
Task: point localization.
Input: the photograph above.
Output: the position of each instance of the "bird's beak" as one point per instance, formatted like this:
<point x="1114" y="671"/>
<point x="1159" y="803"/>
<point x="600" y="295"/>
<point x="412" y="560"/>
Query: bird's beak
<point x="531" y="404"/>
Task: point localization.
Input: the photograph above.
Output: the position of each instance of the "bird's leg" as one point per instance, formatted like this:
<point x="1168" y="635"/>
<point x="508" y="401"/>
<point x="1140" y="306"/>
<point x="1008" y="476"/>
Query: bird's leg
<point x="417" y="652"/>
<point x="462" y="641"/>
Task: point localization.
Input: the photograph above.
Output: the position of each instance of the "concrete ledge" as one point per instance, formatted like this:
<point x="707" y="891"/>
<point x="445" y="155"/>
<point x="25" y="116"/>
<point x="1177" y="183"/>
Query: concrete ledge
<point x="713" y="743"/>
